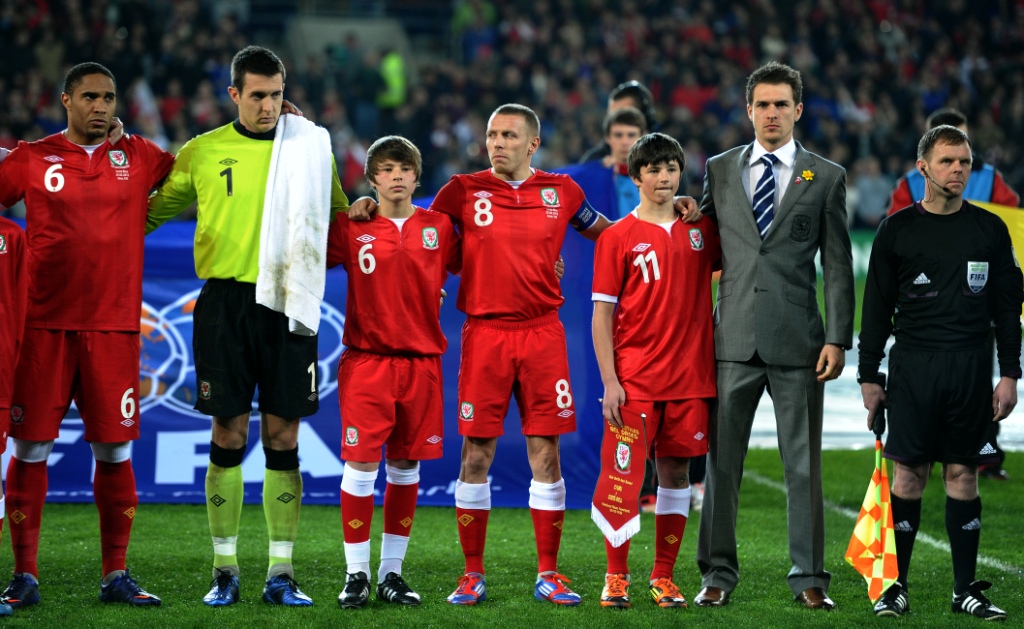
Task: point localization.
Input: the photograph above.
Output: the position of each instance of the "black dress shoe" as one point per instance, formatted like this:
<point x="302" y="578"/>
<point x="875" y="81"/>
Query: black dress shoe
<point x="711" y="597"/>
<point x="815" y="598"/>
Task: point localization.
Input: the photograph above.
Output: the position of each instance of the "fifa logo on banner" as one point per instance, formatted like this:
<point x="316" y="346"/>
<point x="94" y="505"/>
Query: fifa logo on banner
<point x="167" y="367"/>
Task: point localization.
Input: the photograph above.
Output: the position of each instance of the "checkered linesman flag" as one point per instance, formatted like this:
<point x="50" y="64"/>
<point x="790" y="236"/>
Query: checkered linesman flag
<point x="872" y="549"/>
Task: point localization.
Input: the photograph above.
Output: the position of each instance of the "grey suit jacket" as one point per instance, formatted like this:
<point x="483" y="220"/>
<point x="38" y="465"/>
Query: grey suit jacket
<point x="767" y="296"/>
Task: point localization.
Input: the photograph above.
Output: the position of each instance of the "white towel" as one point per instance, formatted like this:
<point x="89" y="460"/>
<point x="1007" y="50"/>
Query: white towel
<point x="296" y="214"/>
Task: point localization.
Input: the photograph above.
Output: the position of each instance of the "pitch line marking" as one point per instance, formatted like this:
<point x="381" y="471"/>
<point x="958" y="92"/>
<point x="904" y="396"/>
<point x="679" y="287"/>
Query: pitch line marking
<point x="921" y="536"/>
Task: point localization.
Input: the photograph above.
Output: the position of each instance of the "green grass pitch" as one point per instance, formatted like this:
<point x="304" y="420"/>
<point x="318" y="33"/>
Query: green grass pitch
<point x="170" y="556"/>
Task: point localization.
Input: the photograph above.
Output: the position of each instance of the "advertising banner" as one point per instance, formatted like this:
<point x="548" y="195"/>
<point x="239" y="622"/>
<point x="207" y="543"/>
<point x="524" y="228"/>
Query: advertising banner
<point x="171" y="456"/>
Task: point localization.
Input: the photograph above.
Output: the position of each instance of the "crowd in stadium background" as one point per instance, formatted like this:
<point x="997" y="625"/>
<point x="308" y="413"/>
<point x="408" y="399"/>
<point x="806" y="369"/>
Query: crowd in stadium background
<point x="872" y="72"/>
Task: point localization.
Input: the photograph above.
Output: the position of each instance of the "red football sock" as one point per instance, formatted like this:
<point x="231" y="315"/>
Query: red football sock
<point x="26" y="493"/>
<point x="547" y="527"/>
<point x="668" y="533"/>
<point x="400" y="508"/>
<point x="473" y="536"/>
<point x="356" y="515"/>
<point x="618" y="558"/>
<point x="116" y="499"/>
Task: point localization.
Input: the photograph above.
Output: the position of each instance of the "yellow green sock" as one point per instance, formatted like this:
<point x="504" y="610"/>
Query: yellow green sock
<point x="282" y="497"/>
<point x="224" y="493"/>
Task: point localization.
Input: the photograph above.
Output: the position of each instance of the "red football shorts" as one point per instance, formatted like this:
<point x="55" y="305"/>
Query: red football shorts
<point x="678" y="428"/>
<point x="98" y="370"/>
<point x="390" y="401"/>
<point x="524" y="358"/>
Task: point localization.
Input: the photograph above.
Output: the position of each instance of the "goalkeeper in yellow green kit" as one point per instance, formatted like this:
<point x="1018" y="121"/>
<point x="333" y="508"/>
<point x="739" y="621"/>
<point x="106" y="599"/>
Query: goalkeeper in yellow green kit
<point x="239" y="343"/>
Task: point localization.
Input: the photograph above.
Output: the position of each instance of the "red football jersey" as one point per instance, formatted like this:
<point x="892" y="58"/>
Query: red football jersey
<point x="511" y="238"/>
<point x="663" y="333"/>
<point x="86" y="218"/>
<point x="13" y="302"/>
<point x="395" y="281"/>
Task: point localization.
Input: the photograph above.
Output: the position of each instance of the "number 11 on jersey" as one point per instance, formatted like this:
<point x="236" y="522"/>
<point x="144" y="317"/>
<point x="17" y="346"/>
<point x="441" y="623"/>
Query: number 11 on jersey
<point x="642" y="261"/>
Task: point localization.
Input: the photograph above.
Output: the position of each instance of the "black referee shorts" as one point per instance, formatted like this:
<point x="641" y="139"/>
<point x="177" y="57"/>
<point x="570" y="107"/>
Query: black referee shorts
<point x="239" y="345"/>
<point x="940" y="406"/>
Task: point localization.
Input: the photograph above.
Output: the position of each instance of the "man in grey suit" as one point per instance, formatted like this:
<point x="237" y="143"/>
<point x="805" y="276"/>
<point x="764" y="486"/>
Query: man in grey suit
<point x="777" y="206"/>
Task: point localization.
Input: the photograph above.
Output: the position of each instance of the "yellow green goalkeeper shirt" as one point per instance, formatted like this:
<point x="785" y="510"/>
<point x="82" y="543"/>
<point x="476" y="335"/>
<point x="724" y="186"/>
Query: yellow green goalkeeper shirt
<point x="225" y="170"/>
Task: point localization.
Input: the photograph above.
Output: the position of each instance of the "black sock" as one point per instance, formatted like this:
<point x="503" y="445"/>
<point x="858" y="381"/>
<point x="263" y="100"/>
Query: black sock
<point x="906" y="519"/>
<point x="963" y="525"/>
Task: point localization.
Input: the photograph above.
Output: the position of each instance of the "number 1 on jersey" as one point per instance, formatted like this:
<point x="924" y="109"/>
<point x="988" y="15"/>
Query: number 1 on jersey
<point x="227" y="173"/>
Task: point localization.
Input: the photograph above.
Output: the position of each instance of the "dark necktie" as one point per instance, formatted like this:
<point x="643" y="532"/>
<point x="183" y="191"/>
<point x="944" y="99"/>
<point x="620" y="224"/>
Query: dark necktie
<point x="764" y="195"/>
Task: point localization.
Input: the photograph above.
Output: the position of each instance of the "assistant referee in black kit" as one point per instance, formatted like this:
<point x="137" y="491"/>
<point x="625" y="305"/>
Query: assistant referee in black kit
<point x="941" y="272"/>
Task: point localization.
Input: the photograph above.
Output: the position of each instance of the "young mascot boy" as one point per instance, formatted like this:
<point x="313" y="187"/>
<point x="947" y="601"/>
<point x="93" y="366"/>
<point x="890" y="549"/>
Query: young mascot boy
<point x="655" y="347"/>
<point x="389" y="378"/>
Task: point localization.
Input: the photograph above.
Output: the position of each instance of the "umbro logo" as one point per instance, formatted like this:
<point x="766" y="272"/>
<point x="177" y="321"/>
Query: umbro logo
<point x="53" y="159"/>
<point x="434" y="439"/>
<point x="644" y="246"/>
<point x="973" y="525"/>
<point x="987" y="449"/>
<point x="366" y="238"/>
<point x="566" y="413"/>
<point x="903" y="527"/>
<point x="921" y="280"/>
<point x="228" y="161"/>
<point x="128" y="423"/>
<point x="699" y="436"/>
<point x="482" y="195"/>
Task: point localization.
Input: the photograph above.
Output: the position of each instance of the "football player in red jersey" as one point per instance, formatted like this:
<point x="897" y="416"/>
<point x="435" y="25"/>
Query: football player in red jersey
<point x="86" y="210"/>
<point x="13" y="277"/>
<point x="389" y="378"/>
<point x="512" y="219"/>
<point x="654" y="342"/>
